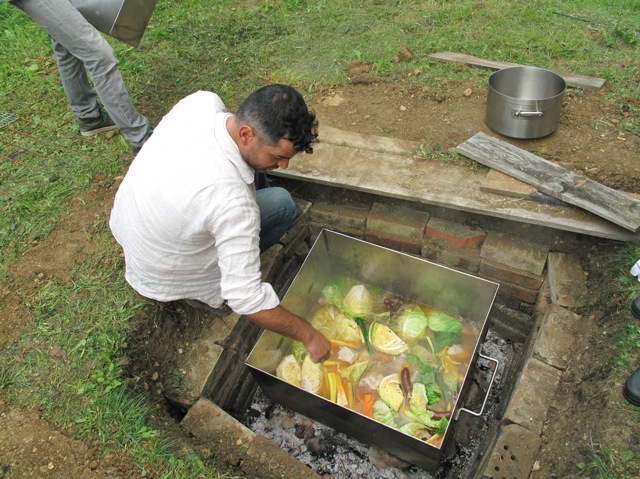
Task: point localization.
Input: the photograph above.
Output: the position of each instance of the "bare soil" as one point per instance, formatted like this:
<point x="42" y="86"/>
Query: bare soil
<point x="589" y="410"/>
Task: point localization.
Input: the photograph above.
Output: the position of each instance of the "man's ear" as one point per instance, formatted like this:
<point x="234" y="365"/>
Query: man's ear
<point x="246" y="135"/>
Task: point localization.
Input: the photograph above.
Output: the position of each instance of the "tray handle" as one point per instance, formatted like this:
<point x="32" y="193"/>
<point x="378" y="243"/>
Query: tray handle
<point x="486" y="397"/>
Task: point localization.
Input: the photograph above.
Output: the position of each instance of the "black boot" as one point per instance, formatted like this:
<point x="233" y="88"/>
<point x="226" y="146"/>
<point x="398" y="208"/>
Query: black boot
<point x="631" y="388"/>
<point x="635" y="307"/>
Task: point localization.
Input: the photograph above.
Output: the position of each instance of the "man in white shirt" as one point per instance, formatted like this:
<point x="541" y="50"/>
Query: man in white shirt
<point x="188" y="215"/>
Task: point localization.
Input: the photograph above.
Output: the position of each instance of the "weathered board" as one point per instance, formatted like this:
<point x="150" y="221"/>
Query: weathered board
<point x="554" y="180"/>
<point x="575" y="81"/>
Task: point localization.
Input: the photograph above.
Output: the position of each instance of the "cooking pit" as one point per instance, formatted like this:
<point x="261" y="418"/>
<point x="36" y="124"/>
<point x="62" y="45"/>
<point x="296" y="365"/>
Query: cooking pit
<point x="525" y="318"/>
<point x="405" y="334"/>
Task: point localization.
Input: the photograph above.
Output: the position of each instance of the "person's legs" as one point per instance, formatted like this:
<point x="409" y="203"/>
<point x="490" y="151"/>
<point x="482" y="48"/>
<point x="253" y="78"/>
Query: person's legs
<point x="73" y="36"/>
<point x="278" y="212"/>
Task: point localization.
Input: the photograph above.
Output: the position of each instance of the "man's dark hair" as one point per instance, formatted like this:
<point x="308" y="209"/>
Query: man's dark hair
<point x="279" y="111"/>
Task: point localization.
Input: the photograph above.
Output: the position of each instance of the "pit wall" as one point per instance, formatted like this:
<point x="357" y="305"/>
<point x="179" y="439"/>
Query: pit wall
<point x="536" y="295"/>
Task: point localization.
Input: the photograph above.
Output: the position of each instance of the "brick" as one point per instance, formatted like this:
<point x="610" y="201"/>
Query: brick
<point x="532" y="396"/>
<point x="513" y="453"/>
<point x="563" y="271"/>
<point x="440" y="252"/>
<point x="267" y="461"/>
<point x="512" y="319"/>
<point x="516" y="252"/>
<point x="301" y="223"/>
<point x="296" y="245"/>
<point x="197" y="365"/>
<point x="456" y="235"/>
<point x="518" y="292"/>
<point x="214" y="428"/>
<point x="554" y="336"/>
<point x="349" y="219"/>
<point x="544" y="299"/>
<point x="397" y="227"/>
<point x="511" y="275"/>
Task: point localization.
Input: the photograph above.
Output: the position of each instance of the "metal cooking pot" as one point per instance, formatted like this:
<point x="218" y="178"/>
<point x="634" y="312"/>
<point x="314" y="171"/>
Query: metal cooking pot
<point x="405" y="275"/>
<point x="524" y="102"/>
<point x="125" y="20"/>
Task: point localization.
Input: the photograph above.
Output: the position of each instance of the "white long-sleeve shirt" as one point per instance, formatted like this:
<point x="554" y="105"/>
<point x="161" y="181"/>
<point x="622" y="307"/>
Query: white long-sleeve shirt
<point x="186" y="215"/>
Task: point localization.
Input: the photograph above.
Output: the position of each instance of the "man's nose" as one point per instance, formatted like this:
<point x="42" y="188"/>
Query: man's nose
<point x="284" y="164"/>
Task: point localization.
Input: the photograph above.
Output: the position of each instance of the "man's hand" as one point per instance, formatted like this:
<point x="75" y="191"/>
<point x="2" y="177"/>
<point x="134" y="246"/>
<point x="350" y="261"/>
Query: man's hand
<point x="281" y="321"/>
<point x="318" y="346"/>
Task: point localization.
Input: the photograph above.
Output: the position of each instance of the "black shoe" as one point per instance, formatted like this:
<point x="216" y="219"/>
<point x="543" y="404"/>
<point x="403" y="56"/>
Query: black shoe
<point x="136" y="148"/>
<point x="222" y="311"/>
<point x="98" y="124"/>
<point x="631" y="388"/>
<point x="635" y="307"/>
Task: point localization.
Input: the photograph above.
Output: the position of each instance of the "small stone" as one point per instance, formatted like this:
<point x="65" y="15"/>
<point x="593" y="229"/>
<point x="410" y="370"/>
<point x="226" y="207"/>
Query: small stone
<point x="313" y="445"/>
<point x="403" y="108"/>
<point x="154" y="376"/>
<point x="239" y="442"/>
<point x="467" y="92"/>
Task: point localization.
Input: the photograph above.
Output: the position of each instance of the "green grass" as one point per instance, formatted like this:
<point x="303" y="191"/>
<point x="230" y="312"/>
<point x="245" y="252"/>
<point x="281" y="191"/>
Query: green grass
<point x="232" y="48"/>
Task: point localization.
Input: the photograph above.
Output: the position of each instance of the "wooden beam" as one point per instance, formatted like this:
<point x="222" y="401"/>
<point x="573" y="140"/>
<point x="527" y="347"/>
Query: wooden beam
<point x="554" y="180"/>
<point x="575" y="81"/>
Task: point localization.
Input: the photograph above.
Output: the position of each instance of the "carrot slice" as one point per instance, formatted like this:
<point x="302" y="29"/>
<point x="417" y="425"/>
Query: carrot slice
<point x="367" y="405"/>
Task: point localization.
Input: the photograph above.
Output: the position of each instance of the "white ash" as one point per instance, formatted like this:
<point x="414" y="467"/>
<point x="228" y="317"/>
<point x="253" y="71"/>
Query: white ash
<point x="322" y="448"/>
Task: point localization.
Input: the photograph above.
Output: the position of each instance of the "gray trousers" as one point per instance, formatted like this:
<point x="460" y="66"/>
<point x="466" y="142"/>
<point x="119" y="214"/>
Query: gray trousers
<point x="79" y="48"/>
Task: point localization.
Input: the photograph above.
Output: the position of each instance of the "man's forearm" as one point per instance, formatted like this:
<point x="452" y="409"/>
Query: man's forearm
<point x="281" y="321"/>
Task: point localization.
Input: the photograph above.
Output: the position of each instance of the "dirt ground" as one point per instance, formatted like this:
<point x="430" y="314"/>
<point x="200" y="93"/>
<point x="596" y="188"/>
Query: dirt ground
<point x="589" y="408"/>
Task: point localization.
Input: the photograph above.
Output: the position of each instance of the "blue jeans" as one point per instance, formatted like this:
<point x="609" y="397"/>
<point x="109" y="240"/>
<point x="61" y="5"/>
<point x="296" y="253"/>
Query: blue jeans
<point x="277" y="212"/>
<point x="78" y="48"/>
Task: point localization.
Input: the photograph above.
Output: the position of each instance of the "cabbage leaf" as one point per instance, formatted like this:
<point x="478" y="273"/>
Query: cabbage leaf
<point x="412" y="323"/>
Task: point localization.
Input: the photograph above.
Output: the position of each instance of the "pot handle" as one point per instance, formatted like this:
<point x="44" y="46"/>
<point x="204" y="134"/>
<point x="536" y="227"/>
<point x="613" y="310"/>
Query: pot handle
<point x="493" y="377"/>
<point x="527" y="114"/>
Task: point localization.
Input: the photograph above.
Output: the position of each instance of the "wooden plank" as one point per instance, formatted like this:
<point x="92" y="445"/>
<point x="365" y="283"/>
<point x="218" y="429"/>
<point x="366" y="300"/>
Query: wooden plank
<point x="500" y="184"/>
<point x="575" y="81"/>
<point x="554" y="180"/>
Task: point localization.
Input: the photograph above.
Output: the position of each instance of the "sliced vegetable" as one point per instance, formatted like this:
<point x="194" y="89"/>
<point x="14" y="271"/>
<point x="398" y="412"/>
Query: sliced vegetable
<point x="412" y="323"/>
<point x="348" y="388"/>
<point x="447" y="329"/>
<point x="331" y="379"/>
<point x="390" y="391"/>
<point x="299" y="351"/>
<point x="419" y="400"/>
<point x="347" y="329"/>
<point x="289" y="370"/>
<point x="354" y="372"/>
<point x="311" y="375"/>
<point x="383" y="413"/>
<point x="383" y="339"/>
<point x="363" y="328"/>
<point x="348" y="344"/>
<point x="436" y="440"/>
<point x="341" y="394"/>
<point x="367" y="404"/>
<point x="416" y="429"/>
<point x="335" y="291"/>
<point x="358" y="302"/>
